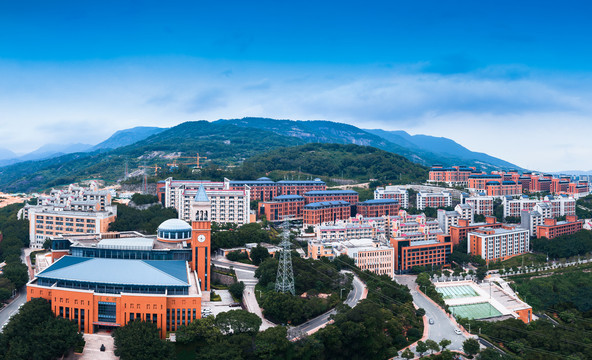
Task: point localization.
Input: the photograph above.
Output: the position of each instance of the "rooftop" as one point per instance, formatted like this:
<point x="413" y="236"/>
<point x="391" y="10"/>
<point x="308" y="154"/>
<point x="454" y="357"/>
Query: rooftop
<point x="331" y="192"/>
<point x="117" y="271"/>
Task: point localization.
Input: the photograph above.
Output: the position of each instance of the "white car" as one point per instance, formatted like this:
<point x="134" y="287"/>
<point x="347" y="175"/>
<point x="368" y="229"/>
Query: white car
<point x="457" y="332"/>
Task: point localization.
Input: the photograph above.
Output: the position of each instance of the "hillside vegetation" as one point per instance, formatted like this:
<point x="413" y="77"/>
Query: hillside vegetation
<point x="334" y="160"/>
<point x="223" y="143"/>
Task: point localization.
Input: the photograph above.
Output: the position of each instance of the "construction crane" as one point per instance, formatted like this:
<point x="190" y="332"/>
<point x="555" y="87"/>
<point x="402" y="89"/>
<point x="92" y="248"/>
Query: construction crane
<point x="155" y="167"/>
<point x="195" y="161"/>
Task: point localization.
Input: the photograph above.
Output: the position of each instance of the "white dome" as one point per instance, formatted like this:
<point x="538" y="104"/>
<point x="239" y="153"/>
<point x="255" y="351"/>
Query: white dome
<point x="174" y="225"/>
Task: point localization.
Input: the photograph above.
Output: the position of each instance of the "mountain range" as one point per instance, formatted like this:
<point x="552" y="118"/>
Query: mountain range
<point x="224" y="142"/>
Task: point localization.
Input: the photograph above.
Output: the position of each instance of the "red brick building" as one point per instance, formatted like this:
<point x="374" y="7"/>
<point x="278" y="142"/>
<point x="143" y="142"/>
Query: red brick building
<point x="421" y="253"/>
<point x="505" y="188"/>
<point x="349" y="196"/>
<point x="551" y="228"/>
<point x="282" y="206"/>
<point x="456" y="175"/>
<point x="299" y="187"/>
<point x="329" y="211"/>
<point x="377" y="208"/>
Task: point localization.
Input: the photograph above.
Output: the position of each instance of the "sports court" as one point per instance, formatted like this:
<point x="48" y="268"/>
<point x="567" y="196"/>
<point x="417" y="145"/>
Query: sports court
<point x="475" y="311"/>
<point x="455" y="292"/>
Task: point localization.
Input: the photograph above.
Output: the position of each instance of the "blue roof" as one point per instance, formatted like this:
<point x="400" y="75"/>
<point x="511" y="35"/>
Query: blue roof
<point x="508" y="182"/>
<point x="252" y="182"/>
<point x="331" y="192"/>
<point x="492" y="183"/>
<point x="379" y="201"/>
<point x="325" y="204"/>
<point x="201" y="195"/>
<point x="288" y="197"/>
<point x="118" y="271"/>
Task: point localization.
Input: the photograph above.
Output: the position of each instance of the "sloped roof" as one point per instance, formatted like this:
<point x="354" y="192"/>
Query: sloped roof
<point x="201" y="195"/>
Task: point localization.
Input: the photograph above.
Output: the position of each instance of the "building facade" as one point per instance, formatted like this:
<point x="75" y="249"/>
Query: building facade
<point x="433" y="200"/>
<point x="378" y="207"/>
<point x="323" y="212"/>
<point x="283" y="206"/>
<point x="107" y="288"/>
<point x="551" y="228"/>
<point x="317" y="196"/>
<point x="393" y="192"/>
<point x="498" y="244"/>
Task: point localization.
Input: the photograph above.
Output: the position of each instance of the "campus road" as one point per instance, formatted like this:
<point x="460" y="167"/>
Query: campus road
<point x="443" y="327"/>
<point x="13" y="307"/>
<point x="353" y="298"/>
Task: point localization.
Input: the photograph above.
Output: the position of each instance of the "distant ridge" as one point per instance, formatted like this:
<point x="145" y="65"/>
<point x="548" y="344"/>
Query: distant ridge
<point x="127" y="137"/>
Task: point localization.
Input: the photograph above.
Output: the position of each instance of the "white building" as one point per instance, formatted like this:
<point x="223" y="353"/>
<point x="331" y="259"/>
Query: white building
<point x="433" y="200"/>
<point x="482" y="205"/>
<point x="393" y="192"/>
<point x="559" y="205"/>
<point x="498" y="244"/>
<point x="228" y="206"/>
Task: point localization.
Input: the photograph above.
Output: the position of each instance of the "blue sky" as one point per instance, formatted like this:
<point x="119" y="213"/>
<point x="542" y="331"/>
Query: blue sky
<point x="503" y="77"/>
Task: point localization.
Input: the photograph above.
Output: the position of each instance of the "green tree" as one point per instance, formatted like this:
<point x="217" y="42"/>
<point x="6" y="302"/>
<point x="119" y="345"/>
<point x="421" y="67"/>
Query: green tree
<point x="200" y="331"/>
<point x="238" y="321"/>
<point x="140" y="340"/>
<point x="432" y="345"/>
<point x="258" y="254"/>
<point x="481" y="273"/>
<point x="444" y="343"/>
<point x="471" y="347"/>
<point x="408" y="354"/>
<point x="237" y="289"/>
<point x="421" y="348"/>
<point x="17" y="273"/>
<point x="272" y="343"/>
<point x="36" y="333"/>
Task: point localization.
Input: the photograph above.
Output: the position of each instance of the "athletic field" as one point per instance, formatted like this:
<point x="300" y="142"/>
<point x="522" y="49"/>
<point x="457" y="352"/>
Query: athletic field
<point x="475" y="311"/>
<point x="455" y="292"/>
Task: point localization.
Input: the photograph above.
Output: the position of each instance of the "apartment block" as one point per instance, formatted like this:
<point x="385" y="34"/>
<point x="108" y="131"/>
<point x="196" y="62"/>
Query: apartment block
<point x="498" y="244"/>
<point x="228" y="205"/>
<point x="345" y="231"/>
<point x="482" y="205"/>
<point x="453" y="176"/>
<point x="551" y="228"/>
<point x="317" y="196"/>
<point x="428" y="253"/>
<point x="283" y="206"/>
<point x="367" y="254"/>
<point x="322" y="212"/>
<point x="554" y="206"/>
<point x="433" y="200"/>
<point x="393" y="192"/>
<point x="378" y="207"/>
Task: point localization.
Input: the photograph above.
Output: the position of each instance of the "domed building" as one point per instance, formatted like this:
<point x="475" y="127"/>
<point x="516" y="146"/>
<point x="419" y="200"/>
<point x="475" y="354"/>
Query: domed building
<point x="103" y="281"/>
<point x="174" y="230"/>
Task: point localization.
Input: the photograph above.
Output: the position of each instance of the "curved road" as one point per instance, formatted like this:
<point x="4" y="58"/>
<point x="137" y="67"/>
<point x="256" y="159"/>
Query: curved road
<point x="443" y="327"/>
<point x="309" y="327"/>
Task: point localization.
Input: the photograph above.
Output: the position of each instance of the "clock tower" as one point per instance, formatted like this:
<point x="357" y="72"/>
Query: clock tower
<point x="201" y="210"/>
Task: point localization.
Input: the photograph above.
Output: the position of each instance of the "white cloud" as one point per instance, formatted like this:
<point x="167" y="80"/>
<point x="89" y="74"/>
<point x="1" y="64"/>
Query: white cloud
<point x="532" y="120"/>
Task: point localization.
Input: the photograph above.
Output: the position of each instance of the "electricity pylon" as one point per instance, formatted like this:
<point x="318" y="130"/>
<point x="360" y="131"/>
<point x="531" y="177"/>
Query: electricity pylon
<point x="284" y="281"/>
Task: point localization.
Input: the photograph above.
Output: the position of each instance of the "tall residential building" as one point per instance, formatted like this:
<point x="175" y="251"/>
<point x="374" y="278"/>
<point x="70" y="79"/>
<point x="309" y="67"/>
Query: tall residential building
<point x="554" y="206"/>
<point x="282" y="207"/>
<point x="498" y="244"/>
<point x="377" y="207"/>
<point x="551" y="228"/>
<point x="328" y="211"/>
<point x="393" y="192"/>
<point x="453" y="176"/>
<point x="426" y="253"/>
<point x="367" y="254"/>
<point x="316" y="196"/>
<point x="482" y="205"/>
<point x="433" y="200"/>
<point x="228" y="205"/>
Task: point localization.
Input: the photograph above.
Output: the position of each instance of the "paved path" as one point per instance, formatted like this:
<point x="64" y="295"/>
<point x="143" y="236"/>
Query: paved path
<point x="444" y="326"/>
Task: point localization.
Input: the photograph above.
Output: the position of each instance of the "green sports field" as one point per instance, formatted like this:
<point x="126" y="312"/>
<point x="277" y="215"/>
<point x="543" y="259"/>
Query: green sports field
<point x="455" y="292"/>
<point x="475" y="311"/>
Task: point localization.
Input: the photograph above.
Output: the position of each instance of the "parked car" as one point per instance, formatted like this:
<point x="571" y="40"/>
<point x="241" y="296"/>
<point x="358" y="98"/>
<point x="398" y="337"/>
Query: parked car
<point x="431" y="321"/>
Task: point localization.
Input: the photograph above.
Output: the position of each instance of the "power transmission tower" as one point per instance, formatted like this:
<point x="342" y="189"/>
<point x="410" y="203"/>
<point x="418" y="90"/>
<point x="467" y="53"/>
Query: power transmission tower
<point x="285" y="275"/>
